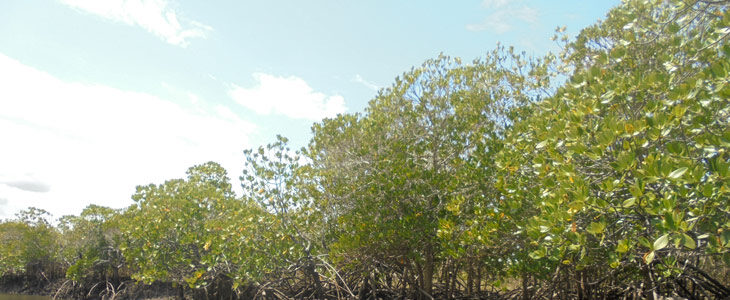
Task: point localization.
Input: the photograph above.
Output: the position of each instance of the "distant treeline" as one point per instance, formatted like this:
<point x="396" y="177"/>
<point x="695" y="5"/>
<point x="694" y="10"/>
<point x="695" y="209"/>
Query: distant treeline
<point x="601" y="170"/>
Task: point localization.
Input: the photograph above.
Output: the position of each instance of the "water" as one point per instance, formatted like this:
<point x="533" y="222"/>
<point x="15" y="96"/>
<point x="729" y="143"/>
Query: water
<point x="22" y="297"/>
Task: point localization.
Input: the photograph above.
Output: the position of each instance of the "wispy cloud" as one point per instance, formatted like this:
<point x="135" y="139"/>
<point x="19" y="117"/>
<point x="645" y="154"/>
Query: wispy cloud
<point x="366" y="83"/>
<point x="87" y="143"/>
<point x="495" y="3"/>
<point x="156" y="16"/>
<point x="505" y="15"/>
<point x="289" y="96"/>
<point x="28" y="184"/>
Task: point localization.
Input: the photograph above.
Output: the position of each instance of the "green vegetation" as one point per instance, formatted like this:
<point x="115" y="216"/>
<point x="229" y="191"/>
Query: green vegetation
<point x="603" y="170"/>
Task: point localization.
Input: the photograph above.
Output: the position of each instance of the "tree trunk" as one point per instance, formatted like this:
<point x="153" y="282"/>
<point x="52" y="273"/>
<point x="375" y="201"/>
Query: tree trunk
<point x="479" y="279"/>
<point x="181" y="292"/>
<point x="428" y="268"/>
<point x="447" y="281"/>
<point x="453" y="271"/>
<point x="315" y="277"/>
<point x="525" y="287"/>
<point x="469" y="278"/>
<point x="405" y="281"/>
<point x="581" y="290"/>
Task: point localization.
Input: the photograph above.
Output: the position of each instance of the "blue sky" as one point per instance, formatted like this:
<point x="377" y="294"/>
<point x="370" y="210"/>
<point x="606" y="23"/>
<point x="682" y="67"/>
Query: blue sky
<point x="97" y="97"/>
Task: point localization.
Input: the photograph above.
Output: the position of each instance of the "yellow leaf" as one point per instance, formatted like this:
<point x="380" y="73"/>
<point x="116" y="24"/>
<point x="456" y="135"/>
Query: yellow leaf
<point x="629" y="128"/>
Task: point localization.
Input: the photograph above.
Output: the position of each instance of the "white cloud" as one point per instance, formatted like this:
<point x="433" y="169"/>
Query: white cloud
<point x="83" y="143"/>
<point x="526" y="14"/>
<point x="288" y="96"/>
<point x="494" y="3"/>
<point x="30" y="185"/>
<point x="155" y="16"/>
<point x="366" y="83"/>
<point x="496" y="22"/>
<point x="505" y="17"/>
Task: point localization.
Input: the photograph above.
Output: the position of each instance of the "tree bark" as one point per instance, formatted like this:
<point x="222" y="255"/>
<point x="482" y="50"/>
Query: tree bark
<point x="428" y="268"/>
<point x="469" y="279"/>
<point x="181" y="292"/>
<point x="525" y="287"/>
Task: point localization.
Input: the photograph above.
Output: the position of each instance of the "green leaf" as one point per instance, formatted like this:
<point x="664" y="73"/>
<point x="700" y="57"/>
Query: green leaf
<point x="670" y="221"/>
<point x="596" y="228"/>
<point x="618" y="52"/>
<point x="644" y="242"/>
<point x="677" y="173"/>
<point x="688" y="242"/>
<point x="674" y="148"/>
<point x="673" y="28"/>
<point x="629" y="202"/>
<point x="622" y="246"/>
<point x="707" y="190"/>
<point x="538" y="254"/>
<point x="661" y="242"/>
<point x="595" y="71"/>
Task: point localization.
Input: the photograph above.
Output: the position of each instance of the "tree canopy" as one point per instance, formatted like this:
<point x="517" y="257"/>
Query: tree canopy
<point x="600" y="170"/>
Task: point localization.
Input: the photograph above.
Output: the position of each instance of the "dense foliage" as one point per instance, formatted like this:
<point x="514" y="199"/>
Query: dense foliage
<point x="602" y="170"/>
